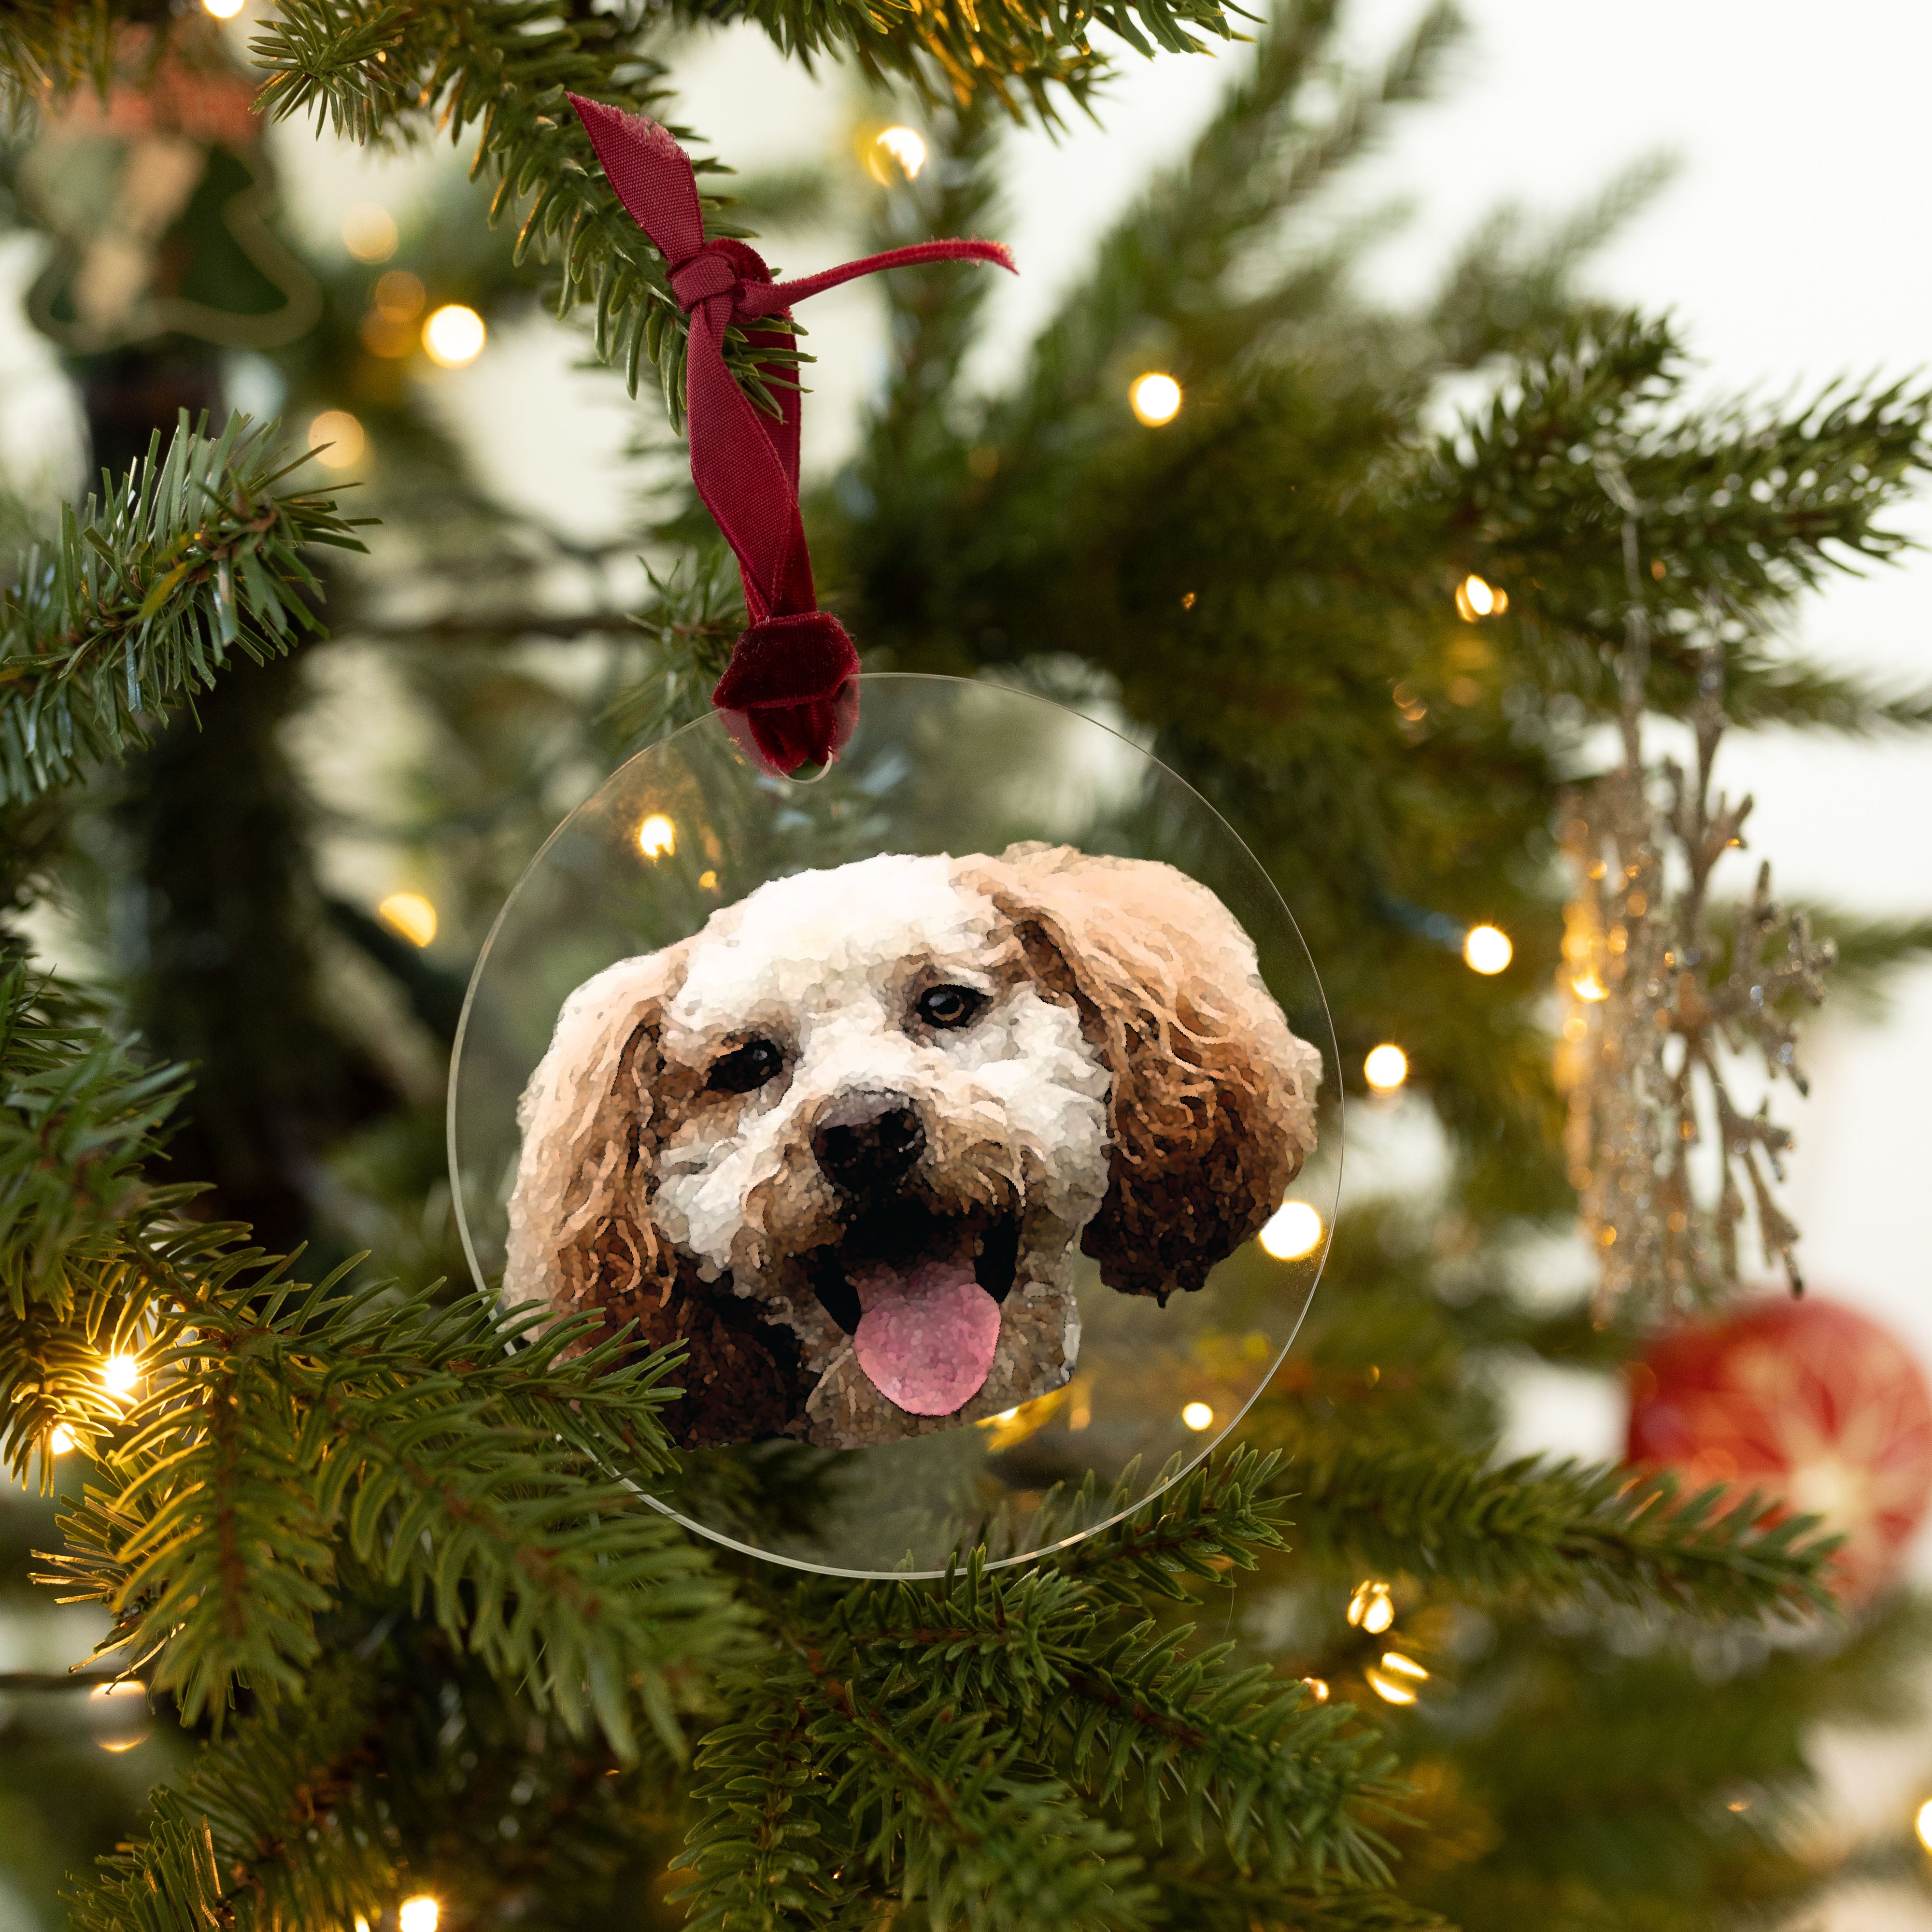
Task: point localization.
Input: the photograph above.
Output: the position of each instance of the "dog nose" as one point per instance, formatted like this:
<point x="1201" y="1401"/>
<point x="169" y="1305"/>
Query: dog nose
<point x="868" y="1139"/>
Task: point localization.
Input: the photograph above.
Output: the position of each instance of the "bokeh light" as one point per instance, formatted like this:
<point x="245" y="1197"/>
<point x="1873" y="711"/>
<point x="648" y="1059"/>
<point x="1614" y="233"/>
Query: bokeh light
<point x="454" y="336"/>
<point x="1487" y="949"/>
<point x="410" y="914"/>
<point x="369" y="231"/>
<point x="657" y="837"/>
<point x="1386" y="1068"/>
<point x="1293" y="1229"/>
<point x="418" y="1914"/>
<point x="338" y="440"/>
<point x="1198" y="1416"/>
<point x="907" y="147"/>
<point x="1156" y="398"/>
<point x="120" y="1374"/>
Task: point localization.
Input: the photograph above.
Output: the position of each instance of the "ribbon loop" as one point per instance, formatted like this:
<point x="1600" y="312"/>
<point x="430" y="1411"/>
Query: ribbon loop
<point x="790" y="678"/>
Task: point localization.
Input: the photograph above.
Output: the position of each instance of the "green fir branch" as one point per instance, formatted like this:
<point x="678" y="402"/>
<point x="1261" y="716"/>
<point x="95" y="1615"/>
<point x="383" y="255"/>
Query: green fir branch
<point x="288" y="1428"/>
<point x="375" y="72"/>
<point x="1559" y="1535"/>
<point x="284" y="1823"/>
<point x="79" y="1115"/>
<point x="140" y="600"/>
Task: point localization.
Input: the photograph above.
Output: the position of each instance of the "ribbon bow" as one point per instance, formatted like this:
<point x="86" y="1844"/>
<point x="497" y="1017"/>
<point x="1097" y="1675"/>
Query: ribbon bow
<point x="790" y="676"/>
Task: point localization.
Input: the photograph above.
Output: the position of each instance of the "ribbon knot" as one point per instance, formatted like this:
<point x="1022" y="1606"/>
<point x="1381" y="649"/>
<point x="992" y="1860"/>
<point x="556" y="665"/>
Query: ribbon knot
<point x="709" y="274"/>
<point x="789" y="684"/>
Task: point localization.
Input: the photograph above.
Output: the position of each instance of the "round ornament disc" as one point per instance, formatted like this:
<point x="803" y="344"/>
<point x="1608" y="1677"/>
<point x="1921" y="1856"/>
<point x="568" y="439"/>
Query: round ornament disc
<point x="971" y="1114"/>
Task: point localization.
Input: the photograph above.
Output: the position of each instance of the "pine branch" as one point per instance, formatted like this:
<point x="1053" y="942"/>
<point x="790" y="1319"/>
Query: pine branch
<point x="285" y="1428"/>
<point x="1006" y="50"/>
<point x="79" y="1116"/>
<point x="51" y="48"/>
<point x="1251" y="165"/>
<point x="139" y="601"/>
<point x="1559" y="1535"/>
<point x="1209" y="1898"/>
<point x="1509" y="283"/>
<point x="285" y="1823"/>
<point x="376" y="71"/>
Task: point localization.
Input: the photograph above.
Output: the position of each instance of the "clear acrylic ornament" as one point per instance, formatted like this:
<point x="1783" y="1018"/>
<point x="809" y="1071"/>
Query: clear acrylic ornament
<point x="1133" y="1387"/>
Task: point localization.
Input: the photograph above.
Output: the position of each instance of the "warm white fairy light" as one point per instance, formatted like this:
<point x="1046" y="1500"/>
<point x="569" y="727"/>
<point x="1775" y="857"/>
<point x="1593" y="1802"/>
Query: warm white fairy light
<point x="1372" y="1608"/>
<point x="1317" y="1689"/>
<point x="1589" y="986"/>
<point x="410" y="914"/>
<point x="338" y="440"/>
<point x="1155" y="398"/>
<point x="1404" y="1666"/>
<point x="1487" y="949"/>
<point x="907" y="147"/>
<point x="60" y="1440"/>
<point x="418" y="1914"/>
<point x="1922" y="1824"/>
<point x="657" y="837"/>
<point x="1390" y="1690"/>
<point x="1198" y="1416"/>
<point x="1386" y="1068"/>
<point x="120" y="1373"/>
<point x="1293" y="1229"/>
<point x="454" y="336"/>
<point x="223" y="9"/>
<point x="120" y="1713"/>
<point x="1476" y="599"/>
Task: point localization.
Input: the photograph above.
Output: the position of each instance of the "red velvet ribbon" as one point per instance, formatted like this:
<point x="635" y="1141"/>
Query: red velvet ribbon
<point x="789" y="686"/>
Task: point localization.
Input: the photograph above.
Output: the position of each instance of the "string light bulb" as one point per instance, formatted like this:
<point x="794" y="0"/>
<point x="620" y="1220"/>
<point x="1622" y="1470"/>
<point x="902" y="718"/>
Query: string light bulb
<point x="1486" y="950"/>
<point x="1404" y="1666"/>
<point x="410" y="914"/>
<point x="657" y="837"/>
<point x="1293" y="1230"/>
<point x="1589" y="986"/>
<point x="223" y="9"/>
<point x="1390" y="1690"/>
<point x="907" y="147"/>
<point x="1317" y="1688"/>
<point x="1198" y="1416"/>
<point x="418" y="1914"/>
<point x="1155" y="398"/>
<point x="60" y="1440"/>
<point x="120" y="1373"/>
<point x="454" y="336"/>
<point x="1386" y="1068"/>
<point x="1372" y="1608"/>
<point x="120" y="1711"/>
<point x="1922" y="1824"/>
<point x="1476" y="599"/>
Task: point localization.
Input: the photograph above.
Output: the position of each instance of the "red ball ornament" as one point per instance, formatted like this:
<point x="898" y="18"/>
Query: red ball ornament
<point x="1809" y="1402"/>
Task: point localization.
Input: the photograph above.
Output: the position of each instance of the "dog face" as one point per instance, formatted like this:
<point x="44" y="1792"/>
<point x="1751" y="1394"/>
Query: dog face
<point x="841" y="1142"/>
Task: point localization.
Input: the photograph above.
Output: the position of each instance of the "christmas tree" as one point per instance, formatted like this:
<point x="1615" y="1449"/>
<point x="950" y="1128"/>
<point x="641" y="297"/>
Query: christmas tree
<point x="404" y="1650"/>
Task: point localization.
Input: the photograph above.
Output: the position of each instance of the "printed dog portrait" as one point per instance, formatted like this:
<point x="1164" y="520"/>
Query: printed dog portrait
<point x="841" y="1142"/>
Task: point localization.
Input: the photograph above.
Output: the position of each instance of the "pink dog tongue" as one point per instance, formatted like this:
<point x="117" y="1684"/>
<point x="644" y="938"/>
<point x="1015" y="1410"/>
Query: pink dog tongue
<point x="926" y="1339"/>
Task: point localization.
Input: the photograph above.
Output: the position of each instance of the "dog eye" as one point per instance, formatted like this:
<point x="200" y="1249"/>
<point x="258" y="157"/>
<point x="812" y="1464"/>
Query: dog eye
<point x="746" y="1068"/>
<point x="947" y="1006"/>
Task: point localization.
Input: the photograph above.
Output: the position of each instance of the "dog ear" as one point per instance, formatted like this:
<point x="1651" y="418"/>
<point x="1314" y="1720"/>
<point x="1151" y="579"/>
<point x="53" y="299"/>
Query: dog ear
<point x="1211" y="1112"/>
<point x="581" y="1233"/>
